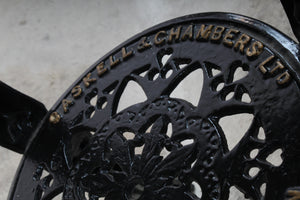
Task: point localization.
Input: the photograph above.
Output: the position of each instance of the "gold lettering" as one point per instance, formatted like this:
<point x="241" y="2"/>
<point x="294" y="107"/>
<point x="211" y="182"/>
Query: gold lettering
<point x="54" y="118"/>
<point x="88" y="80"/>
<point x="125" y="54"/>
<point x="113" y="62"/>
<point x="262" y="65"/>
<point x="228" y="37"/>
<point x="188" y="33"/>
<point x="158" y="41"/>
<point x="279" y="65"/>
<point x="294" y="194"/>
<point x="283" y="78"/>
<point x="101" y="69"/>
<point x="66" y="103"/>
<point x="217" y="34"/>
<point x="143" y="44"/>
<point x="204" y="32"/>
<point x="242" y="41"/>
<point x="255" y="50"/>
<point x="174" y="33"/>
<point x="76" y="91"/>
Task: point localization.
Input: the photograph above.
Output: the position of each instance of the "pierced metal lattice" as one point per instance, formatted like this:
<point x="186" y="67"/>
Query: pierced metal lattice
<point x="166" y="147"/>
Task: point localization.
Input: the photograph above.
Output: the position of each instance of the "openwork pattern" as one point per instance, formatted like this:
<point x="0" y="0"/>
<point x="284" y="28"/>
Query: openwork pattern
<point x="183" y="119"/>
<point x="123" y="161"/>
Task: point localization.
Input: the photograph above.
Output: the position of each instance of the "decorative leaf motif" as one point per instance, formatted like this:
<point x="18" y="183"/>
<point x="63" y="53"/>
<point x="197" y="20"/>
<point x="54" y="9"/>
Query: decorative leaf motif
<point x="170" y="163"/>
<point x="172" y="145"/>
<point x="229" y="86"/>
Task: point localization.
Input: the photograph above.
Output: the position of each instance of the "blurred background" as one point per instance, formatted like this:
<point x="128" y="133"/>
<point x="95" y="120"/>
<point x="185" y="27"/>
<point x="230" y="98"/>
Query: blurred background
<point x="46" y="44"/>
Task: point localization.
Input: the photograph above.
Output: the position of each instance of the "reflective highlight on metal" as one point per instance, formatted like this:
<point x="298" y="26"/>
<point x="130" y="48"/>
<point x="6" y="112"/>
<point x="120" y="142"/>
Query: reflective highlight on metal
<point x="168" y="148"/>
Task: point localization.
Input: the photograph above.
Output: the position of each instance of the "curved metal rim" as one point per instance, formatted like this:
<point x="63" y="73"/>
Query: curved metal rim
<point x="258" y="26"/>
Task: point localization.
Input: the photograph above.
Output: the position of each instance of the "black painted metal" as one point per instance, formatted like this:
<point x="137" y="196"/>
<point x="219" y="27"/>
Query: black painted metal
<point x="292" y="9"/>
<point x="95" y="152"/>
<point x="19" y="117"/>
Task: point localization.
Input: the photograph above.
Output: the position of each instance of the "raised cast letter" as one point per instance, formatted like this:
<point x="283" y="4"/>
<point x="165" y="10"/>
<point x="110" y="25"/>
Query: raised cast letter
<point x="262" y="65"/>
<point x="255" y="50"/>
<point x="217" y="34"/>
<point x="157" y="40"/>
<point x="188" y="33"/>
<point x="88" y="80"/>
<point x="143" y="44"/>
<point x="101" y="69"/>
<point x="113" y="62"/>
<point x="278" y="66"/>
<point x="66" y="103"/>
<point x="125" y="54"/>
<point x="174" y="33"/>
<point x="228" y="37"/>
<point x="204" y="33"/>
<point x="294" y="194"/>
<point x="242" y="41"/>
<point x="76" y="91"/>
<point x="283" y="78"/>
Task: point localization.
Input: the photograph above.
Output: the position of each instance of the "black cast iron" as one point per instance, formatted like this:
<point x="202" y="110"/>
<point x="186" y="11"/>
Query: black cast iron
<point x="19" y="117"/>
<point x="292" y="9"/>
<point x="88" y="150"/>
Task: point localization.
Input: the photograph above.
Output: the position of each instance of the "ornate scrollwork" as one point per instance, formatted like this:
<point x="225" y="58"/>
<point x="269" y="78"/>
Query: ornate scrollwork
<point x="163" y="145"/>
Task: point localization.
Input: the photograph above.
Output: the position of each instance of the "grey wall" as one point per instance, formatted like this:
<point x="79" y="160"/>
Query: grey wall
<point x="46" y="44"/>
